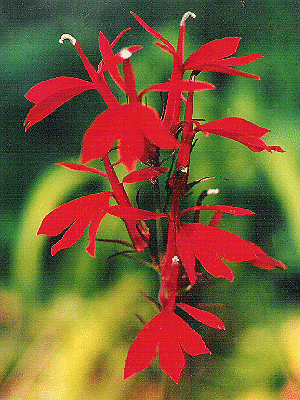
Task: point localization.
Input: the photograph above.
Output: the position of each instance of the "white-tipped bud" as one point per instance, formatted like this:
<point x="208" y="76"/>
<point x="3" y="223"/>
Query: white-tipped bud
<point x="186" y="16"/>
<point x="213" y="191"/>
<point x="125" y="54"/>
<point x="175" y="259"/>
<point x="66" y="36"/>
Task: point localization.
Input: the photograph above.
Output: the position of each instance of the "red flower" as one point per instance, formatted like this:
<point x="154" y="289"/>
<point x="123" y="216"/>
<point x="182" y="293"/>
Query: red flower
<point x="211" y="57"/>
<point x="51" y="94"/>
<point x="132" y="124"/>
<point x="209" y="245"/>
<point x="170" y="334"/>
<point x="241" y="130"/>
<point x="75" y="216"/>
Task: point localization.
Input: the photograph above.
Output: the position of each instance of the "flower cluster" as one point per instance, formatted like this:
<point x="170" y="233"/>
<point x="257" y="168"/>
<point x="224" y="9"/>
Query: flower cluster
<point x="140" y="133"/>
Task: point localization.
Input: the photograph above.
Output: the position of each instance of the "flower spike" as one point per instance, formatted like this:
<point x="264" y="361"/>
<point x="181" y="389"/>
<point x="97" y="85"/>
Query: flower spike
<point x="194" y="251"/>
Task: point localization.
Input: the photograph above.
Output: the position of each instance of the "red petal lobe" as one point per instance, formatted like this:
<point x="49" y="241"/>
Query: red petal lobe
<point x="202" y="316"/>
<point x="144" y="174"/>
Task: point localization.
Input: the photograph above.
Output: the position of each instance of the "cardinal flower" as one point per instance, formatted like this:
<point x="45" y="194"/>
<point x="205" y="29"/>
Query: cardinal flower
<point x="214" y="56"/>
<point x="210" y="245"/>
<point x="74" y="217"/>
<point x="51" y="94"/>
<point x="133" y="124"/>
<point x="167" y="334"/>
<point x="241" y="130"/>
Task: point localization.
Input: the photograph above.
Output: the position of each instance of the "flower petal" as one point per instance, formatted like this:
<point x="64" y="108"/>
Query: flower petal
<point x="144" y="174"/>
<point x="75" y="216"/>
<point x="133" y="213"/>
<point x="225" y="244"/>
<point x="236" y="61"/>
<point x="131" y="123"/>
<point x="180" y="86"/>
<point x="153" y="32"/>
<point x="84" y="168"/>
<point x="187" y="257"/>
<point x="109" y="62"/>
<point x="210" y="57"/>
<point x="51" y="94"/>
<point x="143" y="349"/>
<point x="171" y="358"/>
<point x="264" y="261"/>
<point x="100" y="137"/>
<point x="54" y="86"/>
<point x="218" y="67"/>
<point x="214" y="50"/>
<point x="213" y="264"/>
<point x="191" y="342"/>
<point x="202" y="316"/>
<point x="240" y="130"/>
<point x="220" y="208"/>
<point x="132" y="147"/>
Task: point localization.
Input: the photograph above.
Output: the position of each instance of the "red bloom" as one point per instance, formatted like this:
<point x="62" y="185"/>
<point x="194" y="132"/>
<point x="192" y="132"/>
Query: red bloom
<point x="51" y="94"/>
<point x="170" y="334"/>
<point x="211" y="57"/>
<point x="209" y="245"/>
<point x="132" y="124"/>
<point x="241" y="130"/>
<point x="75" y="216"/>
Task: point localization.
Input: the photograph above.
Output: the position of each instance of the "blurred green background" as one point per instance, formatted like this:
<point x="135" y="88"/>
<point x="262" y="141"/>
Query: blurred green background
<point x="67" y="321"/>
